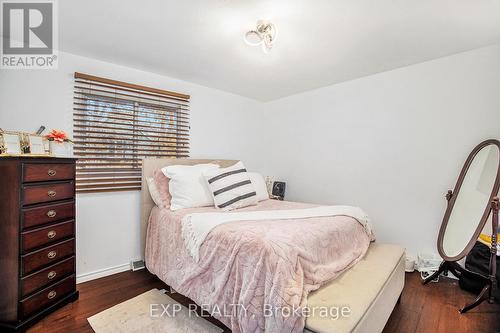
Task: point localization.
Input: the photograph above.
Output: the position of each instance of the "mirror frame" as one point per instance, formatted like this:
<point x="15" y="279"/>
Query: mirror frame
<point x="456" y="193"/>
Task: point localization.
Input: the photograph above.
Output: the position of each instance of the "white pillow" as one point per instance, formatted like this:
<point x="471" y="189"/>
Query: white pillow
<point x="154" y="193"/>
<point x="187" y="185"/>
<point x="231" y="187"/>
<point x="260" y="185"/>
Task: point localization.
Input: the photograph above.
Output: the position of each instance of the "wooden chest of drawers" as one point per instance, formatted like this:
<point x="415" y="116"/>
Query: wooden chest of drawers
<point x="37" y="234"/>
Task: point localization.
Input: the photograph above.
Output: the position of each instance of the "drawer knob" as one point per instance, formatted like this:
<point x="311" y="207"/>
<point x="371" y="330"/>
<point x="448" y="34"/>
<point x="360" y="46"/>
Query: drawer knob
<point x="51" y="213"/>
<point x="51" y="254"/>
<point x="51" y="234"/>
<point x="51" y="172"/>
<point x="52" y="294"/>
<point x="51" y="193"/>
<point x="51" y="275"/>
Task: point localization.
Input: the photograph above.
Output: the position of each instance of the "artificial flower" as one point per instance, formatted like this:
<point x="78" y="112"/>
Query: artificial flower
<point x="58" y="136"/>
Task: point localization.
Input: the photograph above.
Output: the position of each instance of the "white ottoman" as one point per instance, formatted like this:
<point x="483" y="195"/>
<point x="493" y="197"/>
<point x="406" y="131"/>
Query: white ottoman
<point x="370" y="290"/>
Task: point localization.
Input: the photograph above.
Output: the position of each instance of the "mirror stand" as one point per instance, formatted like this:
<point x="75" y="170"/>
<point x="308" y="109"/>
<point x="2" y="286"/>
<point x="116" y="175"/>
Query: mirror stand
<point x="490" y="282"/>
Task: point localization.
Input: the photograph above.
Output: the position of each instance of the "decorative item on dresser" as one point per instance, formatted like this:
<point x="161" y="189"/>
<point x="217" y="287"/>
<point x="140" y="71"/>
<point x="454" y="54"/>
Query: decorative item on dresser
<point x="59" y="143"/>
<point x="37" y="233"/>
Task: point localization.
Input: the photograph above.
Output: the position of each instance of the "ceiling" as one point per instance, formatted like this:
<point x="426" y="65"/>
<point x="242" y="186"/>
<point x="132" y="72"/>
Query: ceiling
<point x="319" y="42"/>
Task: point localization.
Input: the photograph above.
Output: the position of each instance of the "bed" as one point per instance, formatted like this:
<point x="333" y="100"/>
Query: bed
<point x="366" y="278"/>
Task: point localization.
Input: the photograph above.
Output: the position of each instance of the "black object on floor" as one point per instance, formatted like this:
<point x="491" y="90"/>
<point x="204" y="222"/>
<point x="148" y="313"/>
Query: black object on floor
<point x="478" y="261"/>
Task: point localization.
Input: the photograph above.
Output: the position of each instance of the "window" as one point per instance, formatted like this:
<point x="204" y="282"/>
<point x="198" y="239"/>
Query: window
<point x="116" y="124"/>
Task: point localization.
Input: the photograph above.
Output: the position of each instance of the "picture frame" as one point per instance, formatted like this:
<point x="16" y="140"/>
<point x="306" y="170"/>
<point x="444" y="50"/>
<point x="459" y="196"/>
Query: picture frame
<point x="10" y="143"/>
<point x="37" y="145"/>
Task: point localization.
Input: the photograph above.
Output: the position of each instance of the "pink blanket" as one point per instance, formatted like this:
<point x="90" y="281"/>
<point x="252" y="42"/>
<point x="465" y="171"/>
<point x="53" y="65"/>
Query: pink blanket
<point x="251" y="273"/>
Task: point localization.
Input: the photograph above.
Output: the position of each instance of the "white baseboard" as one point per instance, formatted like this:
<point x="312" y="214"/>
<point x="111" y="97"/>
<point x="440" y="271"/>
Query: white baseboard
<point x="102" y="273"/>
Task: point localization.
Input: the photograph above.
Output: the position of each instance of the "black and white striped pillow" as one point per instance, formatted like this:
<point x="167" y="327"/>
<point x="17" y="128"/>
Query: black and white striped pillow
<point x="231" y="187"/>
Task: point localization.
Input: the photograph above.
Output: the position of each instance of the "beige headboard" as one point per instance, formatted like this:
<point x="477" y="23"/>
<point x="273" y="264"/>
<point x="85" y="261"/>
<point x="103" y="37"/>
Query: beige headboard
<point x="149" y="165"/>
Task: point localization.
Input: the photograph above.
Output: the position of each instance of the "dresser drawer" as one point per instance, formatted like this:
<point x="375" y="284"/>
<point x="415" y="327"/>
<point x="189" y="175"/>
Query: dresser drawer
<point x="35" y="216"/>
<point x="40" y="258"/>
<point x="45" y="193"/>
<point x="47" y="296"/>
<point x="37" y="172"/>
<point x="43" y="236"/>
<point x="46" y="276"/>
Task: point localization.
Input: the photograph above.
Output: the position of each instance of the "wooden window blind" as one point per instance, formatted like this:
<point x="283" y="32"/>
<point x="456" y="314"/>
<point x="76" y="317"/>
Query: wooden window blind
<point x="116" y="124"/>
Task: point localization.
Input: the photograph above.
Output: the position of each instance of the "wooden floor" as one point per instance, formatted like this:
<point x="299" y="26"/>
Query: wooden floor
<point x="423" y="309"/>
<point x="434" y="308"/>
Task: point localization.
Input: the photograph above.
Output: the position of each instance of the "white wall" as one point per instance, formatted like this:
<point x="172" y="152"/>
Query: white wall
<point x="391" y="143"/>
<point x="108" y="236"/>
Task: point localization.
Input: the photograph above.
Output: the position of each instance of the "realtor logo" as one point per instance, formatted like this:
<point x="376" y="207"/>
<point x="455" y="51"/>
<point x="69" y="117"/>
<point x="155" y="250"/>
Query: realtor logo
<point x="29" y="34"/>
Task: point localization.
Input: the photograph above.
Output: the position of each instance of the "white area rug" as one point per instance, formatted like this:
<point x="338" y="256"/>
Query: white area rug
<point x="134" y="315"/>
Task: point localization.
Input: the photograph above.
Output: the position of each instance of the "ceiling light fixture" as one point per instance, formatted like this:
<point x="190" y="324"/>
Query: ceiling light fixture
<point x="264" y="35"/>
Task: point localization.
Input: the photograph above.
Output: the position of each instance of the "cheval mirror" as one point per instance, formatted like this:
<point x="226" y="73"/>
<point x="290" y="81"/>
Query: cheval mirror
<point x="472" y="204"/>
